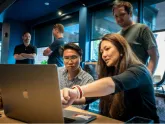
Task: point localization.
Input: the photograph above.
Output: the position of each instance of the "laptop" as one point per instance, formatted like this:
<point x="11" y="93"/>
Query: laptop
<point x="31" y="93"/>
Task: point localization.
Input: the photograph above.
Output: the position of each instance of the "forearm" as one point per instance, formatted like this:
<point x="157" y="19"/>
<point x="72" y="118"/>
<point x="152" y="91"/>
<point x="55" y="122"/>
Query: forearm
<point x="29" y="56"/>
<point x="101" y="87"/>
<point x="80" y="101"/>
<point x="47" y="52"/>
<point x="152" y="65"/>
<point x="19" y="57"/>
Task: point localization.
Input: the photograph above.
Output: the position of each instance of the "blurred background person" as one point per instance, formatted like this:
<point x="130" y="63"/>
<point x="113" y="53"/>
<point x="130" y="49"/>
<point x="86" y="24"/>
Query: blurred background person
<point x="25" y="53"/>
<point x="53" y="51"/>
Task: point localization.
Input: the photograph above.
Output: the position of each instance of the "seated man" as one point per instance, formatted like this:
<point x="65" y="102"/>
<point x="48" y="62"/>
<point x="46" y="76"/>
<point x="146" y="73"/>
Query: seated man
<point x="72" y="74"/>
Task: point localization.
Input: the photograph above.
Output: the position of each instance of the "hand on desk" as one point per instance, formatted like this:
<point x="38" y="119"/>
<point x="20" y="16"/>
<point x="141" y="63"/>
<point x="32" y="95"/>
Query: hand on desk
<point x="68" y="96"/>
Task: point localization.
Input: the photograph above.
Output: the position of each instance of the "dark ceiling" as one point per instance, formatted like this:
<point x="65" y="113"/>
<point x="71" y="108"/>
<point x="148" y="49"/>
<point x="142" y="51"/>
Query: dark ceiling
<point x="26" y="10"/>
<point x="30" y="10"/>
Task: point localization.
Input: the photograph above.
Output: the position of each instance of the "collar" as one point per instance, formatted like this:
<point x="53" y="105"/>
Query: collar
<point x="65" y="73"/>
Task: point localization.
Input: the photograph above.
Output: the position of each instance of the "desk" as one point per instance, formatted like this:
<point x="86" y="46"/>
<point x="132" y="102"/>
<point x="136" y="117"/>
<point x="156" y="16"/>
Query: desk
<point x="100" y="119"/>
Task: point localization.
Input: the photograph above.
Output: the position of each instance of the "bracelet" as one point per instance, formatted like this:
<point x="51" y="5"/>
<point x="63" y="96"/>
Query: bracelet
<point x="80" y="92"/>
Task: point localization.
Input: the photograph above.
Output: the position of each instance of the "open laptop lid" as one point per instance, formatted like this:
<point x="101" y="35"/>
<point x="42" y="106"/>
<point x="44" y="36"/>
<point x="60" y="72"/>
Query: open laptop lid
<point x="31" y="93"/>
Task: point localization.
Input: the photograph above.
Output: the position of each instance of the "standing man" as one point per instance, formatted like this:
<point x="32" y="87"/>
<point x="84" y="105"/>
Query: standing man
<point x="25" y="53"/>
<point x="53" y="51"/>
<point x="139" y="36"/>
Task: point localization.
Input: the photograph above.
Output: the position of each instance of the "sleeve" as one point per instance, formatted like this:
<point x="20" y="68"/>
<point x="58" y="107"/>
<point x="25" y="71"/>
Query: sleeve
<point x="16" y="50"/>
<point x="131" y="78"/>
<point x="90" y="79"/>
<point x="86" y="78"/>
<point x="55" y="45"/>
<point x="148" y="39"/>
<point x="34" y="50"/>
<point x="61" y="78"/>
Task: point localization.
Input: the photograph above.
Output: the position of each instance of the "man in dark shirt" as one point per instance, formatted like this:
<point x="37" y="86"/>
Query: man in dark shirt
<point x="25" y="53"/>
<point x="139" y="36"/>
<point x="53" y="51"/>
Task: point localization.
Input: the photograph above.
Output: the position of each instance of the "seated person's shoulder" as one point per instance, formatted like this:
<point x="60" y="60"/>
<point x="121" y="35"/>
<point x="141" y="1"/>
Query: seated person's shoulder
<point x="86" y="75"/>
<point x="61" y="69"/>
<point x="138" y="67"/>
<point x="139" y="71"/>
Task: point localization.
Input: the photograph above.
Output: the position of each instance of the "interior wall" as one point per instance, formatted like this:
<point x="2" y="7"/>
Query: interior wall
<point x="15" y="31"/>
<point x="5" y="42"/>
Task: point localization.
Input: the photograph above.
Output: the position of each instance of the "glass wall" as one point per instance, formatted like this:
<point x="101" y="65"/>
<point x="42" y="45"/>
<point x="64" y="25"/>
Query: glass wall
<point x="44" y="36"/>
<point x="154" y="17"/>
<point x="160" y="39"/>
<point x="71" y="33"/>
<point x="154" y="14"/>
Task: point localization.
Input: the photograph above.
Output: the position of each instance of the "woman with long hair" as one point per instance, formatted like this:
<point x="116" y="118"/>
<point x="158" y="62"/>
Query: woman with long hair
<point x="124" y="87"/>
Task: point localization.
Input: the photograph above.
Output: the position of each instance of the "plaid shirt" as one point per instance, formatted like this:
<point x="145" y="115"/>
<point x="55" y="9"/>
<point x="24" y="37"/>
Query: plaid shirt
<point x="81" y="79"/>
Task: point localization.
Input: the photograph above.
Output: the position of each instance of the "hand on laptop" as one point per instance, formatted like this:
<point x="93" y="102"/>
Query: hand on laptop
<point x="68" y="96"/>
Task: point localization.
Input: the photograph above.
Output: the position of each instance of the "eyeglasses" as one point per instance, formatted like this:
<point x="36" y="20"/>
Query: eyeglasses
<point x="67" y="58"/>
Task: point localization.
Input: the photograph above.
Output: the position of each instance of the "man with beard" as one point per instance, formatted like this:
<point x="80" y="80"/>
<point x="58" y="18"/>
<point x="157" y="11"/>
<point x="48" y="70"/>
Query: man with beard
<point x="25" y="53"/>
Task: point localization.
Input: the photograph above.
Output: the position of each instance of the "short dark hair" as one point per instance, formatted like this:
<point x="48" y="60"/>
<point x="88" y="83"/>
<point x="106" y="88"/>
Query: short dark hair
<point x="60" y="27"/>
<point x="25" y="33"/>
<point x="127" y="6"/>
<point x="72" y="46"/>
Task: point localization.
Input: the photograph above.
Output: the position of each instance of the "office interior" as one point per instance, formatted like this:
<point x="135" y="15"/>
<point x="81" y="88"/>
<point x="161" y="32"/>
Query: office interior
<point x="85" y="22"/>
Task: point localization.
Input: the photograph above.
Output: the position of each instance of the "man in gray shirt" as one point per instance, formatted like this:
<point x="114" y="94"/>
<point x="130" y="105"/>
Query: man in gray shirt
<point x="139" y="36"/>
<point x="72" y="74"/>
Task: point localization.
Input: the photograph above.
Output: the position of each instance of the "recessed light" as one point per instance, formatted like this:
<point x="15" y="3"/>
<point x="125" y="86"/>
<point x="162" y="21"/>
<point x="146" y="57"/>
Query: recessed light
<point x="46" y="3"/>
<point x="59" y="13"/>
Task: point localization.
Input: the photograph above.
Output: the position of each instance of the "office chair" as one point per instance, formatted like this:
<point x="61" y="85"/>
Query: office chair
<point x="159" y="84"/>
<point x="91" y="68"/>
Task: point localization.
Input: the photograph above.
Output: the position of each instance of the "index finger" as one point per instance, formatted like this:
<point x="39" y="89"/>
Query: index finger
<point x="66" y="93"/>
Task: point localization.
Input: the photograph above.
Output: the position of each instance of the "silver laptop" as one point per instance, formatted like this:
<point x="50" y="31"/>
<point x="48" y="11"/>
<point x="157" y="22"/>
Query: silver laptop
<point x="30" y="93"/>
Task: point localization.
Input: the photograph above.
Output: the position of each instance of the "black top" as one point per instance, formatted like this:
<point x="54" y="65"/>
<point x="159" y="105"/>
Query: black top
<point x="23" y="49"/>
<point x="138" y="90"/>
<point x="55" y="57"/>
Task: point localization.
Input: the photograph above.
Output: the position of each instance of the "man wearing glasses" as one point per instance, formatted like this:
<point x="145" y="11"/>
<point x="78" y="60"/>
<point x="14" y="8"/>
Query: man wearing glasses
<point x="72" y="74"/>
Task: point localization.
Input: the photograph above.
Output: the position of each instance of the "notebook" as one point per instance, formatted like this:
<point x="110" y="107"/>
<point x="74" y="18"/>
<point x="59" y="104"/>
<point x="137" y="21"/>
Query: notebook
<point x="31" y="93"/>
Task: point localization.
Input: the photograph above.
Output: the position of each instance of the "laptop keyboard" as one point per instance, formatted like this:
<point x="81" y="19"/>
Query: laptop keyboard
<point x="68" y="120"/>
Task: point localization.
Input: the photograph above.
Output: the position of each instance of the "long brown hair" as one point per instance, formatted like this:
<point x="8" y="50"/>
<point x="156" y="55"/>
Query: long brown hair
<point x="113" y="105"/>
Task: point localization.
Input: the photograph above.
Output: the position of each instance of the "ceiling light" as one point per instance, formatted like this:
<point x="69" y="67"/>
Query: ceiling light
<point x="46" y="3"/>
<point x="59" y="13"/>
<point x="83" y="4"/>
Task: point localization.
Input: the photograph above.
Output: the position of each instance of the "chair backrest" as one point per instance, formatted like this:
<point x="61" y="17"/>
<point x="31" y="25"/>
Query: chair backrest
<point x="160" y="83"/>
<point x="91" y="68"/>
<point x="160" y="105"/>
